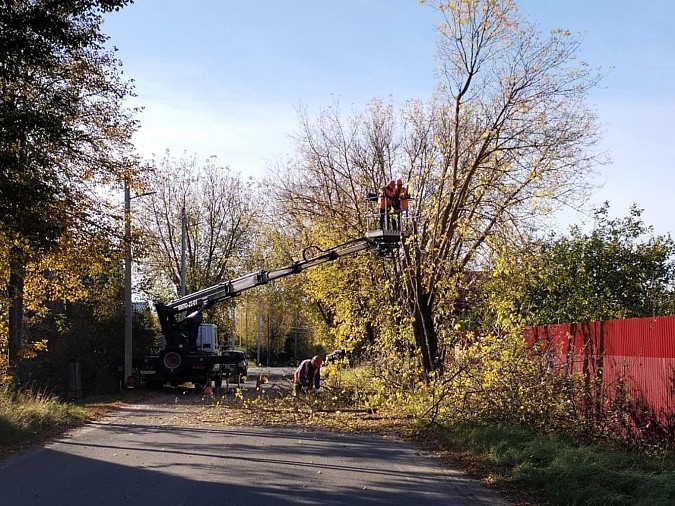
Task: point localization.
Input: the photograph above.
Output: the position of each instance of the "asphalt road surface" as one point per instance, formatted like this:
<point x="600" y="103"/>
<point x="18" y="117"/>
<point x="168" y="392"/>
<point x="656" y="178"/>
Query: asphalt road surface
<point x="157" y="454"/>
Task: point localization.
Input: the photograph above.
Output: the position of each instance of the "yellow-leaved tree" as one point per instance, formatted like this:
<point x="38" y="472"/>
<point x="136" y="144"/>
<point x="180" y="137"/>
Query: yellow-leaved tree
<point x="323" y="195"/>
<point x="73" y="312"/>
<point x="508" y="137"/>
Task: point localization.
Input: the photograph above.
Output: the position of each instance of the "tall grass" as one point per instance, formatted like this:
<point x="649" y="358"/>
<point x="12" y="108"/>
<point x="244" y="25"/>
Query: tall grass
<point x="30" y="415"/>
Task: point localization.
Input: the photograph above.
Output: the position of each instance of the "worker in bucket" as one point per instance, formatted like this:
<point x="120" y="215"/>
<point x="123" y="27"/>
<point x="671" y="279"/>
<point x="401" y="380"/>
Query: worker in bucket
<point x="307" y="375"/>
<point x="385" y="203"/>
<point x="400" y="202"/>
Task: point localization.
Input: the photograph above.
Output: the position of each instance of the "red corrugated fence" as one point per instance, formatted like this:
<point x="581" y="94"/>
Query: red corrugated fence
<point x="633" y="359"/>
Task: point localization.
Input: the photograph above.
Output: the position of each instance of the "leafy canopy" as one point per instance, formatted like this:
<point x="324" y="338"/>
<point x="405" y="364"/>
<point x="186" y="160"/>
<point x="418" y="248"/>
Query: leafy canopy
<point x="615" y="271"/>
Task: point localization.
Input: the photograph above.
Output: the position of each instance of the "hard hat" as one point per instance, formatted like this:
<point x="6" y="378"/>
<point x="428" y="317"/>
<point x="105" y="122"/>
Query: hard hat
<point x="316" y="360"/>
<point x="399" y="182"/>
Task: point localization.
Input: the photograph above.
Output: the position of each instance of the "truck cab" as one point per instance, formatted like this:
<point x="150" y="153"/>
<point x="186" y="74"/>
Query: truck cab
<point x="207" y="338"/>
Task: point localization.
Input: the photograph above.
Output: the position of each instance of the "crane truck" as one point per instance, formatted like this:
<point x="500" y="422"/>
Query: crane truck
<point x="190" y="352"/>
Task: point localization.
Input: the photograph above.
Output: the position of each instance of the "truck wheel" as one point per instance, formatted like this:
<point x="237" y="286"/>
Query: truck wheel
<point x="172" y="361"/>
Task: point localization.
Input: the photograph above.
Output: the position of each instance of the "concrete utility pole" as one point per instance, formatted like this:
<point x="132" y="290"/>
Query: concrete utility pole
<point x="233" y="328"/>
<point x="128" y="308"/>
<point x="183" y="260"/>
<point x="259" y="331"/>
<point x="127" y="283"/>
<point x="295" y="341"/>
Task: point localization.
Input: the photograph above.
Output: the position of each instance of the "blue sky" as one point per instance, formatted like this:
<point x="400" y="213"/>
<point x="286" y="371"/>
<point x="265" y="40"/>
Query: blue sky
<point x="226" y="77"/>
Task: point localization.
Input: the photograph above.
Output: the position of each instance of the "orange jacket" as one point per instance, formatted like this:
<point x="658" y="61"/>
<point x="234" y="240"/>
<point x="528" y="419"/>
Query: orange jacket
<point x="387" y="196"/>
<point x="401" y="197"/>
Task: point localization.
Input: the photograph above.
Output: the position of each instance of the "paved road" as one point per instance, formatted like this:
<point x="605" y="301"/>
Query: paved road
<point x="155" y="454"/>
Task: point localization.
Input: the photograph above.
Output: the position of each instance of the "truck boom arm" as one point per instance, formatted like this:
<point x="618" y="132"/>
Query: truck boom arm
<point x="180" y="333"/>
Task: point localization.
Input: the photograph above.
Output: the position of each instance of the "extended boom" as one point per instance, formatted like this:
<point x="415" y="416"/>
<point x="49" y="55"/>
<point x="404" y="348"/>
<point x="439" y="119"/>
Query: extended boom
<point x="190" y="350"/>
<point x="181" y="319"/>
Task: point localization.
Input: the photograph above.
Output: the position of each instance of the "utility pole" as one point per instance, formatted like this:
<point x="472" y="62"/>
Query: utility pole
<point x="128" y="308"/>
<point x="233" y="328"/>
<point x="295" y="346"/>
<point x="246" y="325"/>
<point x="183" y="260"/>
<point x="259" y="330"/>
<point x="127" y="283"/>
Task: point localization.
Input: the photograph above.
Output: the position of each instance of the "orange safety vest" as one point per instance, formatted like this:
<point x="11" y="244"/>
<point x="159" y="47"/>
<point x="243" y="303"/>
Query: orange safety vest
<point x="402" y="194"/>
<point x="386" y="198"/>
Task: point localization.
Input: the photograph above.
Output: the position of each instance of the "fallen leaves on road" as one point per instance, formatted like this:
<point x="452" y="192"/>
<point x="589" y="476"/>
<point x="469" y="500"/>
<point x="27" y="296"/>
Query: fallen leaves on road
<point x="276" y="407"/>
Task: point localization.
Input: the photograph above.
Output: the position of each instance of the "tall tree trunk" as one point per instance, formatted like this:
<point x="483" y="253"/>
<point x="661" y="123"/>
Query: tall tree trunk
<point x="426" y="337"/>
<point x="17" y="272"/>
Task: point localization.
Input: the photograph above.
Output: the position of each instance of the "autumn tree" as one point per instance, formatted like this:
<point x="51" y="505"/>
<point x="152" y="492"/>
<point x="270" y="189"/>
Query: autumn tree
<point x="507" y="137"/>
<point x="63" y="130"/>
<point x="322" y="197"/>
<point x="281" y="305"/>
<point x="220" y="211"/>
<point x="73" y="299"/>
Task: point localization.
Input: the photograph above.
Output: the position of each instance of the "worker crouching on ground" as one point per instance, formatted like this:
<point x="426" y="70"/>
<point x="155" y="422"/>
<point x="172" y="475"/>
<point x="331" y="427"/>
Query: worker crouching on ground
<point x="307" y="374"/>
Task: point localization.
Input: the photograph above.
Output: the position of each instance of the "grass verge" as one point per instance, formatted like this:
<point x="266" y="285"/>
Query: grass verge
<point x="537" y="469"/>
<point x="33" y="417"/>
